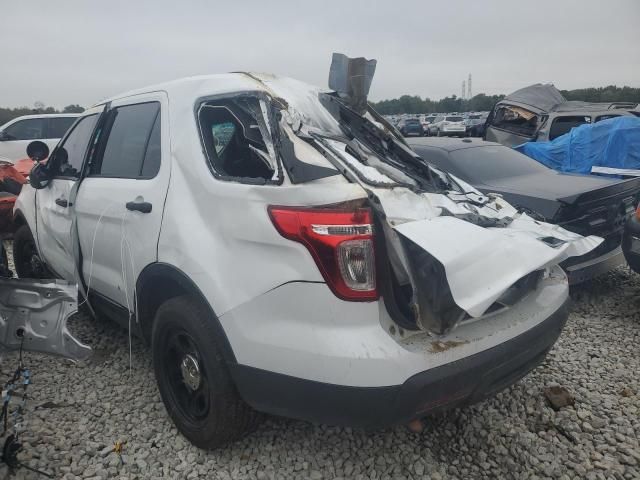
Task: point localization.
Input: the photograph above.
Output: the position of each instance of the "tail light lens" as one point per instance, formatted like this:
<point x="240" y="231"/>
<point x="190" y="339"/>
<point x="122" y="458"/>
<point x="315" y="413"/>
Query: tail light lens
<point x="341" y="243"/>
<point x="638" y="213"/>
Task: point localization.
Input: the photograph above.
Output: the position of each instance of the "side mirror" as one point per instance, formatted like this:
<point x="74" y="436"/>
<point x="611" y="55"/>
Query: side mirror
<point x="37" y="151"/>
<point x="39" y="176"/>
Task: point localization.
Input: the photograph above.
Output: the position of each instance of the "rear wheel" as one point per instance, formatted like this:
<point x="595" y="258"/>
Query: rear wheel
<point x="194" y="381"/>
<point x="26" y="259"/>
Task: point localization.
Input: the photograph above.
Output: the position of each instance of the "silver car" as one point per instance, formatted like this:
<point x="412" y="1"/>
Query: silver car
<point x="448" y="125"/>
<point x="540" y="113"/>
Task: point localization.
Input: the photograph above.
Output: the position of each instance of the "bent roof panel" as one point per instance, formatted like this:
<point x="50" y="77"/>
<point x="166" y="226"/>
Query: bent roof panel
<point x="542" y="96"/>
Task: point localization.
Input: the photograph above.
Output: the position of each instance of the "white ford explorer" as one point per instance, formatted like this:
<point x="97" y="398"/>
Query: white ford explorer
<point x="283" y="250"/>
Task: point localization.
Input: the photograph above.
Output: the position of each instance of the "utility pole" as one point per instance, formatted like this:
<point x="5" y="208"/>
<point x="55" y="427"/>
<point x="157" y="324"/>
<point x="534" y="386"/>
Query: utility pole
<point x="469" y="96"/>
<point x="463" y="89"/>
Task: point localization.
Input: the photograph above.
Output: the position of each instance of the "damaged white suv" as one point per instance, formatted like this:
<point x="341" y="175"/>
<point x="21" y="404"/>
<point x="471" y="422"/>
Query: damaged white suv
<point x="283" y="250"/>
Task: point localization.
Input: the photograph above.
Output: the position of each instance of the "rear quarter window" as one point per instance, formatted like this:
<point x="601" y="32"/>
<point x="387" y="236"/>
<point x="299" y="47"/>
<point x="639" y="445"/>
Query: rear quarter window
<point x="235" y="139"/>
<point x="562" y="125"/>
<point x="605" y="117"/>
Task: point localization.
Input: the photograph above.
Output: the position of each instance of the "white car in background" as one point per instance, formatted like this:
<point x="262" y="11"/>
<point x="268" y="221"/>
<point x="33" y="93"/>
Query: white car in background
<point x="16" y="134"/>
<point x="448" y="125"/>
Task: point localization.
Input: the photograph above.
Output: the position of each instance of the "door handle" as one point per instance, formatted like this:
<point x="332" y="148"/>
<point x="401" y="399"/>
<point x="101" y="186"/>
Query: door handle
<point x="142" y="207"/>
<point x="63" y="203"/>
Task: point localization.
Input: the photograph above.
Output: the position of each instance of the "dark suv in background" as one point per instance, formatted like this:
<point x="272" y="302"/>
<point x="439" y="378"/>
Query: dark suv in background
<point x="410" y="126"/>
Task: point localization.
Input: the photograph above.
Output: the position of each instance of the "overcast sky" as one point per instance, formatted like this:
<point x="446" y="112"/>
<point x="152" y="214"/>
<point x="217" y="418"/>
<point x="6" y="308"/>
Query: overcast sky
<point x="80" y="51"/>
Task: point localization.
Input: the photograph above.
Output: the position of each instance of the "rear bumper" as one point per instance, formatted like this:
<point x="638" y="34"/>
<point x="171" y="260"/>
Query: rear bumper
<point x="453" y="133"/>
<point x="461" y="382"/>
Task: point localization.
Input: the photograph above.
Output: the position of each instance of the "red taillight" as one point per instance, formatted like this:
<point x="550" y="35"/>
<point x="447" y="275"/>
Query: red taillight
<point x="341" y="243"/>
<point x="638" y="213"/>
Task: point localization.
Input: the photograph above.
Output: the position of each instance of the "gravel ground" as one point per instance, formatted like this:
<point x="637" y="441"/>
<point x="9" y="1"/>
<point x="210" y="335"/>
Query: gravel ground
<point x="77" y="412"/>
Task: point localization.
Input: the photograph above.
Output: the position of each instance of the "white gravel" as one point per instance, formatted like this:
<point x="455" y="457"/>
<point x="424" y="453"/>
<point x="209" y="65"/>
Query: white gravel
<point x="86" y="408"/>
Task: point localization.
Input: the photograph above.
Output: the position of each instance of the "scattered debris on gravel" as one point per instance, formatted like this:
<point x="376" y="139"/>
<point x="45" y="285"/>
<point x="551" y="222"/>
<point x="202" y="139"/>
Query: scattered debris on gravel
<point x="77" y="413"/>
<point x="559" y="397"/>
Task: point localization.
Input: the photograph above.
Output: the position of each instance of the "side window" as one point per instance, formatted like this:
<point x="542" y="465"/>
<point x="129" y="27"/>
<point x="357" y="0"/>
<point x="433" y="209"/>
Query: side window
<point x="151" y="163"/>
<point x="31" y="129"/>
<point x="131" y="142"/>
<point x="562" y="125"/>
<point x="57" y="127"/>
<point x="68" y="157"/>
<point x="233" y="140"/>
<point x="605" y="117"/>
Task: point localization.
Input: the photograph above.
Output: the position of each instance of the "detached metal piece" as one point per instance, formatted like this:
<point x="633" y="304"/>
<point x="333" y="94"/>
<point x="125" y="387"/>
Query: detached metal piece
<point x="351" y="78"/>
<point x="35" y="313"/>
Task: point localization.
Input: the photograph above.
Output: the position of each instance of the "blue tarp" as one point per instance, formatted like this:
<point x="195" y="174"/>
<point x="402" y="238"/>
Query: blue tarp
<point x="613" y="143"/>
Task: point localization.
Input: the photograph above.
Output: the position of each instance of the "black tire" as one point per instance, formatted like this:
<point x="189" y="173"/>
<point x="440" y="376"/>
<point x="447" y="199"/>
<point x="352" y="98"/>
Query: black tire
<point x="212" y="414"/>
<point x="634" y="263"/>
<point x="26" y="259"/>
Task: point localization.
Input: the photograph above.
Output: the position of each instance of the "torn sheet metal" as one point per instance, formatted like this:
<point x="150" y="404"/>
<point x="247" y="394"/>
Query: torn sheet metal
<point x="351" y="78"/>
<point x="482" y="263"/>
<point x="34" y="313"/>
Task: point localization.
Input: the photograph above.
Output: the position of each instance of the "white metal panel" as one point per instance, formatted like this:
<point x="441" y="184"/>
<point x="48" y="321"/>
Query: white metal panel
<point x="304" y="330"/>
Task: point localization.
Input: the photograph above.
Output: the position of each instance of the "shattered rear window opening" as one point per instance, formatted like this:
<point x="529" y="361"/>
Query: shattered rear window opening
<point x="237" y="140"/>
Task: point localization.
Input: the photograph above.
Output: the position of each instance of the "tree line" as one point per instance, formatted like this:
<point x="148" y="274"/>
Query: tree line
<point x="407" y="103"/>
<point x="482" y="102"/>
<point x="7" y="114"/>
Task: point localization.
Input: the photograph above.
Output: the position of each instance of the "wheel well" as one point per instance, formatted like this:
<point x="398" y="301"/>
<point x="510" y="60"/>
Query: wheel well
<point x="160" y="282"/>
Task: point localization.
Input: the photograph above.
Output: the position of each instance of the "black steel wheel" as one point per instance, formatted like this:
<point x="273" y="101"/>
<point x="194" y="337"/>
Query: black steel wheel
<point x="188" y="379"/>
<point x="193" y="378"/>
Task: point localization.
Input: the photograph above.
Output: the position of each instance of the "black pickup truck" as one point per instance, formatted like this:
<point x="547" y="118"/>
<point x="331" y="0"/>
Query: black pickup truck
<point x="584" y="204"/>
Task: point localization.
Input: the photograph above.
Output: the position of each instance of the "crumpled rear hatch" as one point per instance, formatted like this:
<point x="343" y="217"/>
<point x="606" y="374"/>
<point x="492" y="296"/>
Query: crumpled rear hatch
<point x="452" y="252"/>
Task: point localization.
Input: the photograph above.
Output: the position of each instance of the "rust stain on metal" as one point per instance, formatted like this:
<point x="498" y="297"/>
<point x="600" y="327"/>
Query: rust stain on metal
<point x="438" y="347"/>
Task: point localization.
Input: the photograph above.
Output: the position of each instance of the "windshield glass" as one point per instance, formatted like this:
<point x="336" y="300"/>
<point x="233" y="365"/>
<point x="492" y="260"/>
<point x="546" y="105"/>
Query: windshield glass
<point x="453" y="119"/>
<point x="505" y="162"/>
<point x="412" y="121"/>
